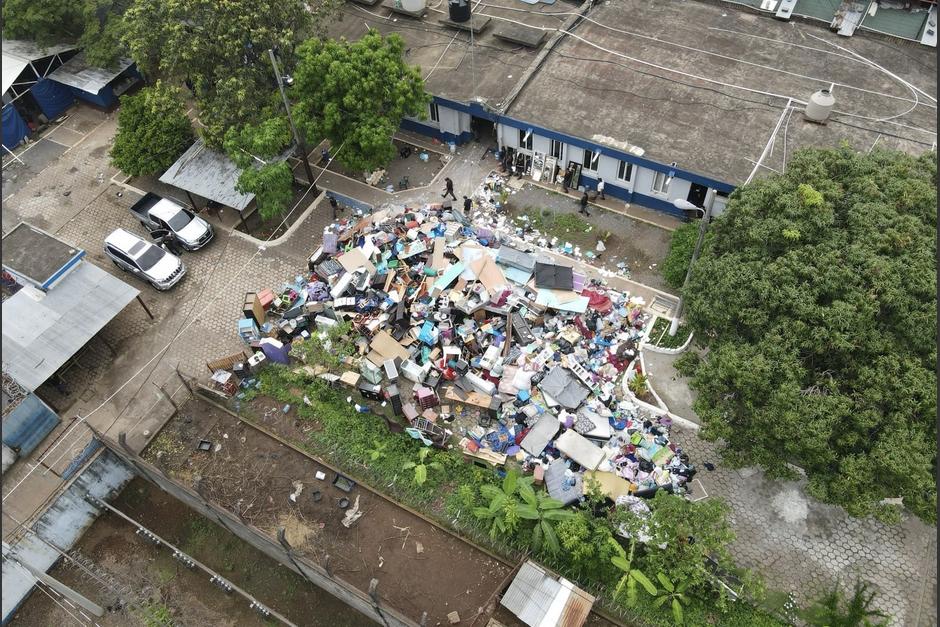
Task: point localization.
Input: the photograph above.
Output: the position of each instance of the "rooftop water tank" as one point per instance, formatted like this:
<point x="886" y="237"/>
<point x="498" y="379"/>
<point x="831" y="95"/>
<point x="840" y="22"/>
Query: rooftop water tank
<point x="459" y="10"/>
<point x="819" y="106"/>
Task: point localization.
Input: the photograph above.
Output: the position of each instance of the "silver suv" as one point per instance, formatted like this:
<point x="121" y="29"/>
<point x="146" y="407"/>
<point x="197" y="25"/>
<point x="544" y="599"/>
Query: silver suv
<point x="132" y="254"/>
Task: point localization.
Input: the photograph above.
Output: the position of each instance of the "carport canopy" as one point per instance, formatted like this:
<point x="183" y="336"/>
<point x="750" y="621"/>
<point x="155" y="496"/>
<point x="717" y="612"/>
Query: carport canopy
<point x="77" y="73"/>
<point x="207" y="173"/>
<point x="17" y="56"/>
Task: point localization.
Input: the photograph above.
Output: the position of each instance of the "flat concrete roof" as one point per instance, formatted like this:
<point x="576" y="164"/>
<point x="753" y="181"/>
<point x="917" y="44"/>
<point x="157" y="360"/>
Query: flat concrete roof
<point x="443" y="53"/>
<point x="36" y="255"/>
<point x="602" y="80"/>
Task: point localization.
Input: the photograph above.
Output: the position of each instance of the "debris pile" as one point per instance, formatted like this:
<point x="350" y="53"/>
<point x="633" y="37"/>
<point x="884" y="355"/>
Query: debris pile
<point x="466" y="337"/>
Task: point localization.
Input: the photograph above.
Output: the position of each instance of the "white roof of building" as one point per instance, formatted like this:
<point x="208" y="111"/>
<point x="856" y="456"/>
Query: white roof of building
<point x="17" y="54"/>
<point x="42" y="331"/>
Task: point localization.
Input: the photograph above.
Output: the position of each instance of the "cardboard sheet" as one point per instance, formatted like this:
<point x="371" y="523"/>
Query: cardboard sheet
<point x="355" y="259"/>
<point x="387" y="348"/>
<point x="546" y="298"/>
<point x="610" y="484"/>
<point x="489" y="274"/>
<point x="516" y="275"/>
<point x="580" y="449"/>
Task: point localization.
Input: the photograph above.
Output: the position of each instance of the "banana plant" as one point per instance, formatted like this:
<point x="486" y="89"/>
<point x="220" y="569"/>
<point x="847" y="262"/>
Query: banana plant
<point x="545" y="511"/>
<point x="421" y="466"/>
<point x="674" y="594"/>
<point x="379" y="451"/>
<point x="503" y="509"/>
<point x="631" y="576"/>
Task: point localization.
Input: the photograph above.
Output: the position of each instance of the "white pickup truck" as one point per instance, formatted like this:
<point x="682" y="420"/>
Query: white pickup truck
<point x="156" y="212"/>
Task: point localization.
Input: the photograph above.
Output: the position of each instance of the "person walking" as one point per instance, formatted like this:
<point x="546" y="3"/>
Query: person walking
<point x="600" y="188"/>
<point x="448" y="189"/>
<point x="333" y="204"/>
<point x="467" y="206"/>
<point x="584" y="204"/>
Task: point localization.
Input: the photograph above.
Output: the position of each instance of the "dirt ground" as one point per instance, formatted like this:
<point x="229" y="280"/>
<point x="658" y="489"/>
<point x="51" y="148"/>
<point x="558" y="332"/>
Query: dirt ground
<point x="253" y="474"/>
<point x="642" y="247"/>
<point x="158" y="590"/>
<point x="419" y="173"/>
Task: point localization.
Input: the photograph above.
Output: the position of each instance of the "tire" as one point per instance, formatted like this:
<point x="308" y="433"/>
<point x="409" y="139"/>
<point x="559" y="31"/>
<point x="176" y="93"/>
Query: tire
<point x="120" y="267"/>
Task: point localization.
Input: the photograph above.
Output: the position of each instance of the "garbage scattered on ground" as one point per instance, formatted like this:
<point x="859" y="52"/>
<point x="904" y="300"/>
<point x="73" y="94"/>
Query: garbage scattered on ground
<point x="471" y="337"/>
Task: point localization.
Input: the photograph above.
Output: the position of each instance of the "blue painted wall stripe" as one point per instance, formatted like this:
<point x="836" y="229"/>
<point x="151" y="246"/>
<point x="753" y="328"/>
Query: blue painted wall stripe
<point x="55" y="277"/>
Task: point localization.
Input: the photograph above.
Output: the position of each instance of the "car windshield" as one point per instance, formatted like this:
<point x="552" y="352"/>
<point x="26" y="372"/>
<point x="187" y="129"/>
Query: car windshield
<point x="179" y="221"/>
<point x="150" y="258"/>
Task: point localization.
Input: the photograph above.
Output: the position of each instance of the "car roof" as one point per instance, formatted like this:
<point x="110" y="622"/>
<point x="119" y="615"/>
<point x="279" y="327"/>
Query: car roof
<point x="124" y="241"/>
<point x="165" y="209"/>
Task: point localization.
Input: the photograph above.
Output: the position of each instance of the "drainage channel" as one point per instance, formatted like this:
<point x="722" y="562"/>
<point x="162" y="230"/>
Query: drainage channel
<point x="192" y="563"/>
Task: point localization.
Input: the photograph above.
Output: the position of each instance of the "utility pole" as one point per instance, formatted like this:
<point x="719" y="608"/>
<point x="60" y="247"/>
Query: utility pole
<point x="301" y="146"/>
<point x="684" y="205"/>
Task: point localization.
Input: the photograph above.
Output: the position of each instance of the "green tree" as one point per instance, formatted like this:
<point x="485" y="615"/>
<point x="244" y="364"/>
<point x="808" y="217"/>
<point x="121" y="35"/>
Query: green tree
<point x="152" y="132"/>
<point x="588" y="544"/>
<point x="631" y="576"/>
<point x="677" y="260"/>
<point x="682" y="535"/>
<point x="356" y="94"/>
<point x="832" y="609"/>
<point x="256" y="148"/>
<point x="816" y="296"/>
<point x="222" y="48"/>
<point x="93" y="25"/>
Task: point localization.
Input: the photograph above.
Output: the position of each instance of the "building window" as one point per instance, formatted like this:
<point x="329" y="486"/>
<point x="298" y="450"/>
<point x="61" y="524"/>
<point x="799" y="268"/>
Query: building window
<point x="558" y="150"/>
<point x="625" y="171"/>
<point x="525" y="139"/>
<point x="435" y="114"/>
<point x="661" y="183"/>
<point x="589" y="160"/>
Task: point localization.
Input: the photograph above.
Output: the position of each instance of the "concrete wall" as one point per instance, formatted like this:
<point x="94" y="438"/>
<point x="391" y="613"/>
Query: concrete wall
<point x="62" y="525"/>
<point x="339" y="588"/>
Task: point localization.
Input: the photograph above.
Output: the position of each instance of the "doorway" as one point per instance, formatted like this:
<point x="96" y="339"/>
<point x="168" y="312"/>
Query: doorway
<point x="484" y="131"/>
<point x="697" y="194"/>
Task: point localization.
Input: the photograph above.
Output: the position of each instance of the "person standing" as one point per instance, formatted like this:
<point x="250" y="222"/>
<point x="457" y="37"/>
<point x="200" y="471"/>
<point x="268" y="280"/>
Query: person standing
<point x="467" y="206"/>
<point x="584" y="204"/>
<point x="563" y="179"/>
<point x="448" y="189"/>
<point x="600" y="188"/>
<point x="333" y="204"/>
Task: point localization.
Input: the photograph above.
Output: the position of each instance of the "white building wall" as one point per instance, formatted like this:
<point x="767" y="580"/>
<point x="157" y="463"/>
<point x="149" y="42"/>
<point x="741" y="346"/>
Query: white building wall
<point x="449" y="120"/>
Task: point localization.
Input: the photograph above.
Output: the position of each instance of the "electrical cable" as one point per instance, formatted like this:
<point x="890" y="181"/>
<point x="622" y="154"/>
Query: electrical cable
<point x="211" y="302"/>
<point x="38" y="584"/>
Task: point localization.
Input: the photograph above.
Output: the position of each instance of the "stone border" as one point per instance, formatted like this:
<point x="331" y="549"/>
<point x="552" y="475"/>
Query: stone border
<point x="644" y="344"/>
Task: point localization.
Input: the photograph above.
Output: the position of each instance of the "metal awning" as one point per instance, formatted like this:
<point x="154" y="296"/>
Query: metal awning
<point x="42" y="331"/>
<point x="207" y="173"/>
<point x="77" y="73"/>
<point x="17" y="55"/>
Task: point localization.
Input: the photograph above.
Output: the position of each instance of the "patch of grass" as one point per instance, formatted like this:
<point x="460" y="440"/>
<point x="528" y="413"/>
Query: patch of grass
<point x="555" y="224"/>
<point x="659" y="336"/>
<point x="198" y="533"/>
<point x="155" y="614"/>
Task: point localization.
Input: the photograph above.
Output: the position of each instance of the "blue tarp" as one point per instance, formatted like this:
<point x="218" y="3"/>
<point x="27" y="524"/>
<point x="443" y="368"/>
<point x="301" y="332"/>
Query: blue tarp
<point x="14" y="128"/>
<point x="28" y="425"/>
<point x="53" y="98"/>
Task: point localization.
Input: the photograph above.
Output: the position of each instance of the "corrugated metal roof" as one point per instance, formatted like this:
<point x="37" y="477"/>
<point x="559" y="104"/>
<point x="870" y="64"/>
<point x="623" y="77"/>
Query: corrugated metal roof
<point x="76" y="72"/>
<point x="530" y="594"/>
<point x="539" y="600"/>
<point x="43" y="331"/>
<point x="209" y="174"/>
<point x="17" y="54"/>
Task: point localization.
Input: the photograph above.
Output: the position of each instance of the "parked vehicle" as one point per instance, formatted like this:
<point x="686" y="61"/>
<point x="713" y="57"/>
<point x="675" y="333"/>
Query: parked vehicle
<point x="156" y="212"/>
<point x="133" y="254"/>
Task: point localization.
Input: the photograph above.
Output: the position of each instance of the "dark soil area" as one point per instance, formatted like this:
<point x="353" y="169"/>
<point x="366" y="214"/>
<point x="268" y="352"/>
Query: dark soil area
<point x="419" y="567"/>
<point x="641" y="247"/>
<point x="258" y="227"/>
<point x="159" y="590"/>
<point x="420" y="173"/>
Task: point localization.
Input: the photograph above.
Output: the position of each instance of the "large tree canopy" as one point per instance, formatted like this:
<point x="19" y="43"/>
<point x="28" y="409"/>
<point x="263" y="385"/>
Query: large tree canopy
<point x="356" y="94"/>
<point x="222" y="48"/>
<point x="94" y="25"/>
<point x="153" y="131"/>
<point x="816" y="297"/>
